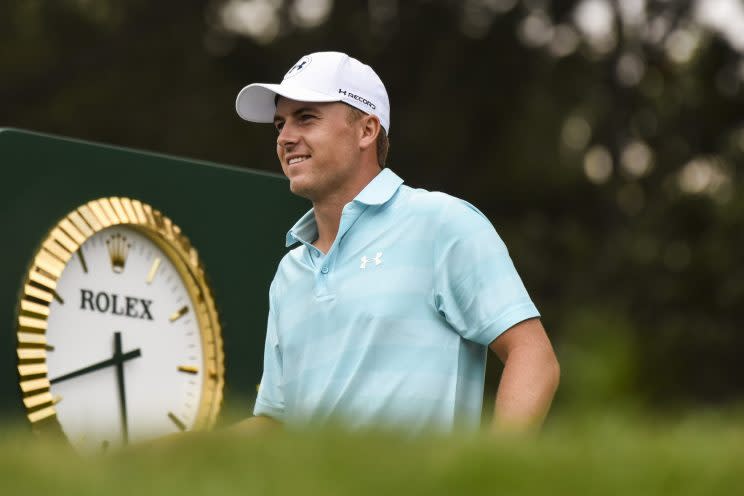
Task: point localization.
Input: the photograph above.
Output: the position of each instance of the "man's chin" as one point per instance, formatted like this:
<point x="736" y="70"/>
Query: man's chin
<point x="300" y="188"/>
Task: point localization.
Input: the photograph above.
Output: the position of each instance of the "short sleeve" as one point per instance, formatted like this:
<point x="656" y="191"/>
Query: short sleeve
<point x="270" y="400"/>
<point x="477" y="287"/>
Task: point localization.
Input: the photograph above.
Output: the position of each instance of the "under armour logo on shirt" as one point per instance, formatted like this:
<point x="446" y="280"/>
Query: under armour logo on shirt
<point x="365" y="260"/>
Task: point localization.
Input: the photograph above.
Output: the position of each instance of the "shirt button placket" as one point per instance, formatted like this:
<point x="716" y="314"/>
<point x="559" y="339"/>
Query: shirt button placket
<point x="321" y="279"/>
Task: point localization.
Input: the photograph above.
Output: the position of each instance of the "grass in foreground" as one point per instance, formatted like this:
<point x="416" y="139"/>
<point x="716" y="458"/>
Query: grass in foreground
<point x="592" y="455"/>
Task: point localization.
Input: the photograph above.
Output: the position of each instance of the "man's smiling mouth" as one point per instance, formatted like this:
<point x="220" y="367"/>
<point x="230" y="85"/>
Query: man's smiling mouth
<point x="295" y="160"/>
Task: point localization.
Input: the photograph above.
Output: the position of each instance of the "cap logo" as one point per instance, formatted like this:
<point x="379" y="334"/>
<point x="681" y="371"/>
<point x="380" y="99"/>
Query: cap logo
<point x="301" y="64"/>
<point x="358" y="98"/>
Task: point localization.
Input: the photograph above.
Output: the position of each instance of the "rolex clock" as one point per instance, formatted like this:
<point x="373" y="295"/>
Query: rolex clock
<point x="118" y="338"/>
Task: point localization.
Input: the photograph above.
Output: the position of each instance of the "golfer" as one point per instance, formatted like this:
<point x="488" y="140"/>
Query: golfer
<point x="382" y="314"/>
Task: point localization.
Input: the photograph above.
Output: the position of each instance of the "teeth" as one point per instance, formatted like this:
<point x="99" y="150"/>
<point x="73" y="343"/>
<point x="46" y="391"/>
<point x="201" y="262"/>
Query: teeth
<point x="297" y="159"/>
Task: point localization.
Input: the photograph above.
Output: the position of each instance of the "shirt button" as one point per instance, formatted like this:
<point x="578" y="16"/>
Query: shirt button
<point x="324" y="270"/>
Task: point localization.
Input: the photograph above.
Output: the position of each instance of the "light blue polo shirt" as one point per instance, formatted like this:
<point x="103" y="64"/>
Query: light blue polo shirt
<point x="391" y="326"/>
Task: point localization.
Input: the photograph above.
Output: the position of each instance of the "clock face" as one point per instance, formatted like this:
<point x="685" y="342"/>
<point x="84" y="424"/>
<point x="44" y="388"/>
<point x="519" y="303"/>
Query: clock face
<point x="120" y="287"/>
<point x="130" y="350"/>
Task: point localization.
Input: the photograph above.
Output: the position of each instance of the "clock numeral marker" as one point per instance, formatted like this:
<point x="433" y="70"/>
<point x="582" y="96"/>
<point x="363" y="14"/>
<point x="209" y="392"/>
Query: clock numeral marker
<point x="82" y="260"/>
<point x="153" y="270"/>
<point x="189" y="369"/>
<point x="179" y="313"/>
<point x="58" y="298"/>
<point x="49" y="347"/>
<point x="118" y="249"/>
<point x="104" y="446"/>
<point x="38" y="415"/>
<point x="34" y="385"/>
<point x="179" y="423"/>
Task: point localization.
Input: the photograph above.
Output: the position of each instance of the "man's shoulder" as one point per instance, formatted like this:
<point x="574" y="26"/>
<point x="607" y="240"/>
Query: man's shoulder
<point x="288" y="262"/>
<point x="445" y="207"/>
<point x="422" y="201"/>
<point x="293" y="256"/>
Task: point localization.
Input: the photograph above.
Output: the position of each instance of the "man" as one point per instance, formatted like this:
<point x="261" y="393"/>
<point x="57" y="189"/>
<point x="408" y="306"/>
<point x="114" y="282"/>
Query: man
<point x="382" y="314"/>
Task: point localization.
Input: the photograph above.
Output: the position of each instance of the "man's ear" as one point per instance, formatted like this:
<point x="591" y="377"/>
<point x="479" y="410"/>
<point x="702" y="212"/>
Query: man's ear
<point x="369" y="130"/>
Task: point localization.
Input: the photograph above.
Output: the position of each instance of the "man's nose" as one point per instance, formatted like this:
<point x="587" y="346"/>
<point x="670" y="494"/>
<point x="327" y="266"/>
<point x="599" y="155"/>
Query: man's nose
<point x="287" y="137"/>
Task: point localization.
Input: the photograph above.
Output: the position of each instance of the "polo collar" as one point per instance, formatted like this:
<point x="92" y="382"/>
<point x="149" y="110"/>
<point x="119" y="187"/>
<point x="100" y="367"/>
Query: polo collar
<point x="379" y="191"/>
<point x="304" y="231"/>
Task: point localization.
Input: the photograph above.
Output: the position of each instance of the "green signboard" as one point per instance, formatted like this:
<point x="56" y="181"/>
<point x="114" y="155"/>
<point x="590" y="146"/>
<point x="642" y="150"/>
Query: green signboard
<point x="234" y="219"/>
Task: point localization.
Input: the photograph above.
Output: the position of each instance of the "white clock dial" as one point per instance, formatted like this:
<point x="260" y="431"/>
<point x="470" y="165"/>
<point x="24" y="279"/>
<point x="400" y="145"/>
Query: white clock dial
<point x="124" y="350"/>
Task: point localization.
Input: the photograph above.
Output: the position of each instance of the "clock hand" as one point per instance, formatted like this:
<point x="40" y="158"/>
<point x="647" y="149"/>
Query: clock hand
<point x="119" y="363"/>
<point x="97" y="366"/>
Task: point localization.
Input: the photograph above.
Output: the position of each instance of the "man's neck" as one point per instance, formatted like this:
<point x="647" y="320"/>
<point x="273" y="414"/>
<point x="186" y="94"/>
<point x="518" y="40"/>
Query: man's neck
<point x="328" y="211"/>
<point x="327" y="218"/>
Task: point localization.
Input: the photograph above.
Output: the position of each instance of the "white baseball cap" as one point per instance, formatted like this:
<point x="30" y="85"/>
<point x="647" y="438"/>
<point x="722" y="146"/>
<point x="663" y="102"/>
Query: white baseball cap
<point x="319" y="77"/>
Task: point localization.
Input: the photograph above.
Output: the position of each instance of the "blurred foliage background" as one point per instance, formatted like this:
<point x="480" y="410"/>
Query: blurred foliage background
<point x="601" y="137"/>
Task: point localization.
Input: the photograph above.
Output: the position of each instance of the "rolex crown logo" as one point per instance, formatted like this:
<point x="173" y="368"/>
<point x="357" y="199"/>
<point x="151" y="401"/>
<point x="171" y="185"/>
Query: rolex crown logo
<point x="118" y="249"/>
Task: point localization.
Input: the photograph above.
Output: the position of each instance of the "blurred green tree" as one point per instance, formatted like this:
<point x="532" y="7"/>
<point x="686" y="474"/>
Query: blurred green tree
<point x="601" y="137"/>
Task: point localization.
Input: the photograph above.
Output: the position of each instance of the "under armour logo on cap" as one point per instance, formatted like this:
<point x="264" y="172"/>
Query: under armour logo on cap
<point x="301" y="64"/>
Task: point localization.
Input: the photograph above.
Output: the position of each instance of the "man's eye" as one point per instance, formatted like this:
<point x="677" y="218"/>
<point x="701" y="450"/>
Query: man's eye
<point x="306" y="117"/>
<point x="279" y="126"/>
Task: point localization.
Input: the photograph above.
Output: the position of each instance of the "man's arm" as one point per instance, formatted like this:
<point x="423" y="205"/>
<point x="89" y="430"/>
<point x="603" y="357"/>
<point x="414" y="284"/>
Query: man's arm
<point x="530" y="377"/>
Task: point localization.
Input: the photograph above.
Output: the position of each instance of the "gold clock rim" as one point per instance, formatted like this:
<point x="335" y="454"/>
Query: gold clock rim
<point x="39" y="289"/>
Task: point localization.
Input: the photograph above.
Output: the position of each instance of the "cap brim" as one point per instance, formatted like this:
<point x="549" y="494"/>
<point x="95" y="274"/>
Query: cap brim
<point x="255" y="102"/>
